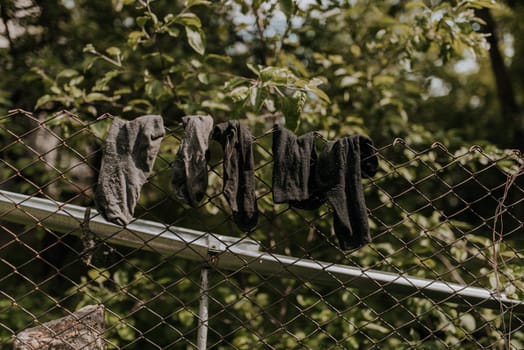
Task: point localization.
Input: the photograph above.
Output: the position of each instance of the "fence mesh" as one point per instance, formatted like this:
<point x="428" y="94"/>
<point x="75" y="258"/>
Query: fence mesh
<point x="454" y="218"/>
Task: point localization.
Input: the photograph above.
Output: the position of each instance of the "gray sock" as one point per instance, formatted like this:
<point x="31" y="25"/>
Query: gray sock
<point x="190" y="167"/>
<point x="129" y="154"/>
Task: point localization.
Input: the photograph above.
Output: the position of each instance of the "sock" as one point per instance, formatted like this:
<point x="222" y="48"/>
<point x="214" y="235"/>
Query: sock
<point x="129" y="154"/>
<point x="294" y="169"/>
<point x="239" y="172"/>
<point x="339" y="174"/>
<point x="190" y="167"/>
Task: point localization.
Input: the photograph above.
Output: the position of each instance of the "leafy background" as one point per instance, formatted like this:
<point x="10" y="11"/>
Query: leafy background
<point x="417" y="72"/>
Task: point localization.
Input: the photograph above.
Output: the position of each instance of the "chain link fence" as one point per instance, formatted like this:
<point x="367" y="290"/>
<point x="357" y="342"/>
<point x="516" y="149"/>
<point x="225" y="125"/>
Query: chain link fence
<point x="444" y="270"/>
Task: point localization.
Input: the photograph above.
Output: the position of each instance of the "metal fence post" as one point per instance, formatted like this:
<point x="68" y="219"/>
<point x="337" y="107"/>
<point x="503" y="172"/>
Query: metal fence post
<point x="203" y="311"/>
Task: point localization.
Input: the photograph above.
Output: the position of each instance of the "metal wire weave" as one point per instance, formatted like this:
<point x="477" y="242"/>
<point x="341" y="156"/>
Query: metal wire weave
<point x="455" y="217"/>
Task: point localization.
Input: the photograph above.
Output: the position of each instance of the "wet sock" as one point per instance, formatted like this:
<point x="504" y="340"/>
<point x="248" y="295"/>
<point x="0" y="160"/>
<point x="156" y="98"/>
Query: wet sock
<point x="129" y="154"/>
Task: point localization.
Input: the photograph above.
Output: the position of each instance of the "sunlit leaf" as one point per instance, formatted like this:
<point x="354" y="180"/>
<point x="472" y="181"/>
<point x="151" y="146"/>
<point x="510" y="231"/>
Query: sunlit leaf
<point x="195" y="40"/>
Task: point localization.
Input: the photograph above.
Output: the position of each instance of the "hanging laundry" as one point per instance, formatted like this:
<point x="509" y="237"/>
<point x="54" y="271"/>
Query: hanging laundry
<point x="130" y="151"/>
<point x="239" y="172"/>
<point x="340" y="168"/>
<point x="294" y="160"/>
<point x="190" y="167"/>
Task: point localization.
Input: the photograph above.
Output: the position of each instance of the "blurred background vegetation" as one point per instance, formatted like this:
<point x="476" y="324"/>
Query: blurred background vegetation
<point x="423" y="71"/>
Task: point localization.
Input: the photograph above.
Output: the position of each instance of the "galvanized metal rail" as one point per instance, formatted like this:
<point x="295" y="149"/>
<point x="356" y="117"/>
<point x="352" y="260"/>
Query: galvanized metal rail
<point x="233" y="253"/>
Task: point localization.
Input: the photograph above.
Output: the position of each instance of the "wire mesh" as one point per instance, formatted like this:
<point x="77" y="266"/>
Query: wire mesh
<point x="447" y="216"/>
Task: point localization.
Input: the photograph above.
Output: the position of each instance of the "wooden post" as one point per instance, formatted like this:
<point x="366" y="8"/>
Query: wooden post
<point x="83" y="329"/>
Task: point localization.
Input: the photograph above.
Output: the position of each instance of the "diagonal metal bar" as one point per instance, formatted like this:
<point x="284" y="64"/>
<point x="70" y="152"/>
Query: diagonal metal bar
<point x="233" y="253"/>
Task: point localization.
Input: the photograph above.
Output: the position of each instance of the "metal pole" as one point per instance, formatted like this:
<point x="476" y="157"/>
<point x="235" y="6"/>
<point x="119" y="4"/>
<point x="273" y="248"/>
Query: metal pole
<point x="233" y="253"/>
<point x="203" y="311"/>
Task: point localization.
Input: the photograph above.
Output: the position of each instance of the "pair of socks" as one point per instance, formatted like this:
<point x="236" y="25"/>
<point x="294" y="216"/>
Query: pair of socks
<point x="305" y="180"/>
<point x="190" y="179"/>
<point x="129" y="154"/>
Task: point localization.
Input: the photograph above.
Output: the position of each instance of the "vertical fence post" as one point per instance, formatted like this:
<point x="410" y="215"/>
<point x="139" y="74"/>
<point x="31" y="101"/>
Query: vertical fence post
<point x="203" y="312"/>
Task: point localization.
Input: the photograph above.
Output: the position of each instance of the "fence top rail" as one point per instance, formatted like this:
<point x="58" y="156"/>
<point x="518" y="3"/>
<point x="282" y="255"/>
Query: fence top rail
<point x="234" y="253"/>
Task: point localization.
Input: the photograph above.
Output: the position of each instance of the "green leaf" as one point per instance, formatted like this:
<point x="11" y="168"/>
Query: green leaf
<point x="383" y="80"/>
<point x="377" y="327"/>
<point x="216" y="106"/>
<point x="123" y="91"/>
<point x="43" y="100"/>
<point x="275" y="75"/>
<point x="113" y="51"/>
<point x="289" y="106"/>
<point x="89" y="48"/>
<point x="203" y="78"/>
<point x="318" y="92"/>
<point x="154" y="88"/>
<point x="348" y="81"/>
<point x="142" y="20"/>
<point x="173" y="32"/>
<point x="468" y="322"/>
<point x="239" y="93"/>
<point x="77" y="80"/>
<point x="125" y="332"/>
<point x="195" y="40"/>
<point x="102" y="83"/>
<point x="191" y="3"/>
<point x="258" y="96"/>
<point x="67" y="73"/>
<point x="99" y="276"/>
<point x="56" y="90"/>
<point x="234" y="82"/>
<point x="212" y="56"/>
<point x="169" y="18"/>
<point x="96" y="96"/>
<point x="189" y="19"/>
<point x="137" y="102"/>
<point x="186" y="318"/>
<point x="355" y="50"/>
<point x="478" y="4"/>
<point x="134" y="37"/>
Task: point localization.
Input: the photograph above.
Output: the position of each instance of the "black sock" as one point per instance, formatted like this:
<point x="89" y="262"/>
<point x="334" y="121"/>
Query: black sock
<point x="339" y="173"/>
<point x="239" y="172"/>
<point x="190" y="167"/>
<point x="294" y="169"/>
<point x="129" y="154"/>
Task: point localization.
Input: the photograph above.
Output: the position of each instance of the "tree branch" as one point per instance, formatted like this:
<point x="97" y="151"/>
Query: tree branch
<point x="5" y="19"/>
<point x="509" y="108"/>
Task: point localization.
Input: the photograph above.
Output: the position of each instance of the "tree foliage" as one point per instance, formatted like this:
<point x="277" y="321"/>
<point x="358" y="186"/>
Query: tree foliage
<point x="416" y="70"/>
